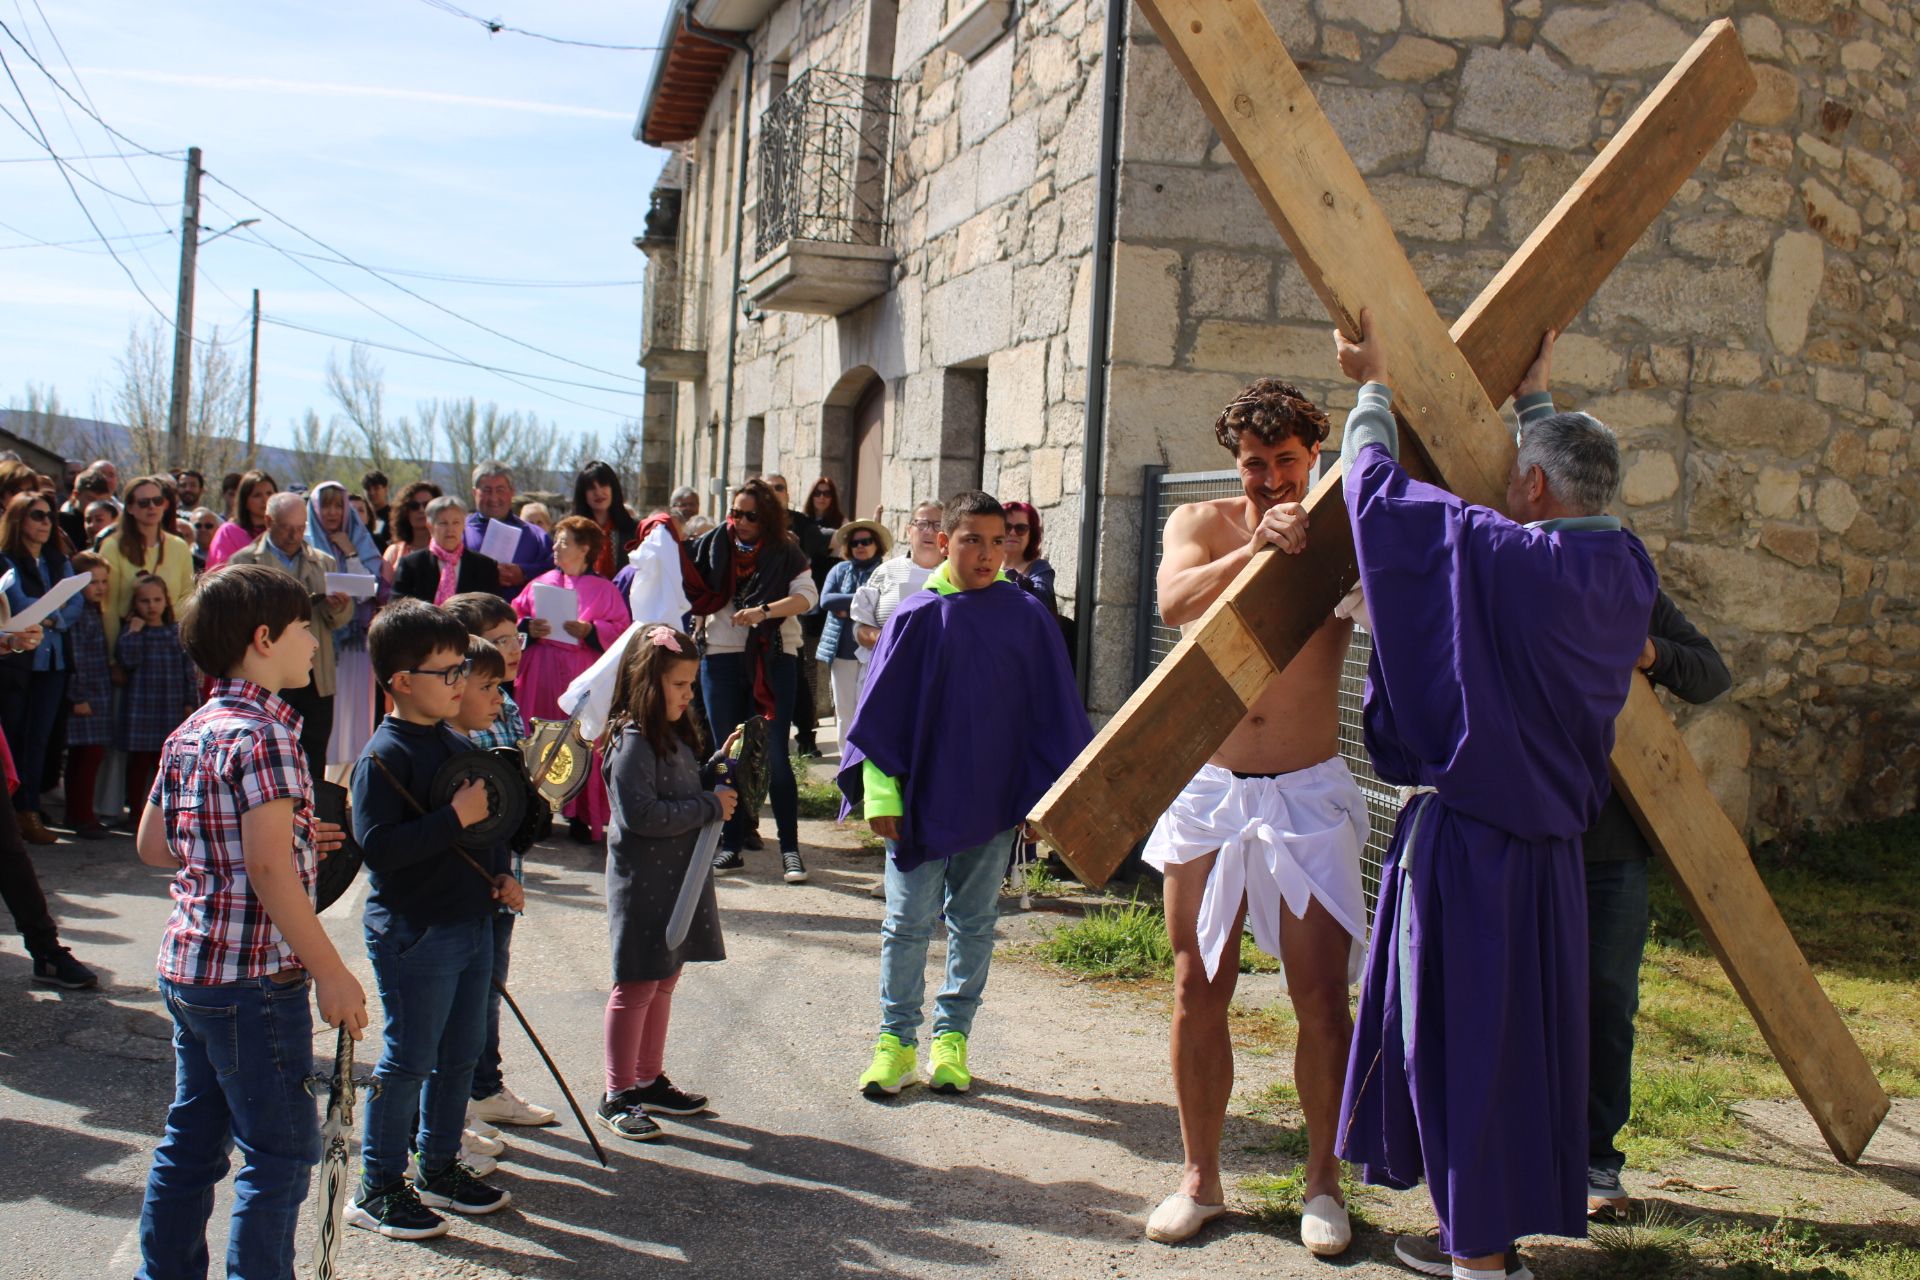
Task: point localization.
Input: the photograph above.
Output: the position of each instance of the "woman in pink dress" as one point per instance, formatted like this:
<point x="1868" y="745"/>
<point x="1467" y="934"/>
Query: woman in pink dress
<point x="246" y="522"/>
<point x="550" y="665"/>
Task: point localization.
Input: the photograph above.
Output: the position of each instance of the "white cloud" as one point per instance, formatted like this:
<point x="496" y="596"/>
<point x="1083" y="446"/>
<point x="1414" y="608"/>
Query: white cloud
<point x="269" y="84"/>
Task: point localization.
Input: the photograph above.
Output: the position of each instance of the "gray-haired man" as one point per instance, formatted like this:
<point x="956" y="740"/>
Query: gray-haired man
<point x="493" y="500"/>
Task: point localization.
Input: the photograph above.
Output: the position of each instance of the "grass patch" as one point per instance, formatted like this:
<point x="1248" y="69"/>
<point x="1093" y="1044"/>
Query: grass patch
<point x="1129" y="941"/>
<point x="1655" y="1243"/>
<point x="1680" y="1107"/>
<point x="817" y="799"/>
<point x="1039" y="882"/>
<point x="1279" y="1197"/>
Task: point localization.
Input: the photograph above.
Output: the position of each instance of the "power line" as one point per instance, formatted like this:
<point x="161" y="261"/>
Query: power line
<point x="68" y="94"/>
<point x="449" y="359"/>
<point x="488" y="282"/>
<point x="497" y="28"/>
<point x="97" y="155"/>
<point x="38" y="242"/>
<point x="64" y="161"/>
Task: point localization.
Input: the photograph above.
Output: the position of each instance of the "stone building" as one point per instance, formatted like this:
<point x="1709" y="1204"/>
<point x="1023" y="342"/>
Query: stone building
<point x="932" y="251"/>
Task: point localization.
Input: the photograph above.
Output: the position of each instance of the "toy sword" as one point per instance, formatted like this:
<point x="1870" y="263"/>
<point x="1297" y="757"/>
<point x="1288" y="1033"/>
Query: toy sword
<point x="336" y="1179"/>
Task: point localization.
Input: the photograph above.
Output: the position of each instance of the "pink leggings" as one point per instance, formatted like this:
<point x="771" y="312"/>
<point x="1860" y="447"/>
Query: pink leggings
<point x="636" y="1031"/>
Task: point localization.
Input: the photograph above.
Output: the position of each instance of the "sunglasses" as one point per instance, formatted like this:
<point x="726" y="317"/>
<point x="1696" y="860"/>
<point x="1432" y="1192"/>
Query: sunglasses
<point x="148" y="502"/>
<point x="744" y="517"/>
<point x="823" y="493"/>
<point x="1018" y="528"/>
<point x="417" y="506"/>
<point x="452" y="675"/>
<point x="862" y="542"/>
<point x="39" y="513"/>
<point x="208" y="526"/>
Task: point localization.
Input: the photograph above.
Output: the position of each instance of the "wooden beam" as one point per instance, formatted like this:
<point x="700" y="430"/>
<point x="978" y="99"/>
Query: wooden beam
<point x="1259" y="104"/>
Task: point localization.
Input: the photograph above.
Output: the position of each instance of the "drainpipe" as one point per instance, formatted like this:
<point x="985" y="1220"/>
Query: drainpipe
<point x="1113" y="75"/>
<point x="739" y="234"/>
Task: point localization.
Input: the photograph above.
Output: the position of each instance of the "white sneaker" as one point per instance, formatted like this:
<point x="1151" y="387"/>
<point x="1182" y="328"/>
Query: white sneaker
<point x="476" y="1125"/>
<point x="473" y="1141"/>
<point x="481" y="1164"/>
<point x="508" y="1107"/>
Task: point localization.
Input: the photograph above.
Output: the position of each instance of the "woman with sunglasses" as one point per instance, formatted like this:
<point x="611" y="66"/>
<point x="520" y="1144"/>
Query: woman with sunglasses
<point x="33" y="684"/>
<point x="204" y="522"/>
<point x="408" y="529"/>
<point x="245" y="523"/>
<point x="865" y="544"/>
<point x="1024" y="565"/>
<point x="140" y="543"/>
<point x="757" y="582"/>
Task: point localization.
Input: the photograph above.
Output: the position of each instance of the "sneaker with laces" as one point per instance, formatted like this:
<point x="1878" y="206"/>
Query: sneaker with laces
<point x="395" y="1211"/>
<point x="58" y="968"/>
<point x="664" y="1098"/>
<point x="458" y="1188"/>
<point x="482" y="1165"/>
<point x="477" y="1143"/>
<point x="621" y="1113"/>
<point x="792" y="869"/>
<point x="894" y="1067"/>
<point x="727" y="862"/>
<point x="476" y="1125"/>
<point x="947" y="1064"/>
<point x="1422" y="1253"/>
<point x="508" y="1107"/>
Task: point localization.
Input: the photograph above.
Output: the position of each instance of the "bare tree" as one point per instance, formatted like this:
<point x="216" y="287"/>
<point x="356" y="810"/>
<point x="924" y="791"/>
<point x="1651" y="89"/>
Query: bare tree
<point x="398" y="448"/>
<point x="216" y="405"/>
<point x="45" y="421"/>
<point x="323" y="451"/>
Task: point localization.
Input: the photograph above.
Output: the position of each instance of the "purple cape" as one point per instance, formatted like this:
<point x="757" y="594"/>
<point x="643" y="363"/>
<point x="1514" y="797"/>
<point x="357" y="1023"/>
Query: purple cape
<point x="1501" y="656"/>
<point x="954" y="679"/>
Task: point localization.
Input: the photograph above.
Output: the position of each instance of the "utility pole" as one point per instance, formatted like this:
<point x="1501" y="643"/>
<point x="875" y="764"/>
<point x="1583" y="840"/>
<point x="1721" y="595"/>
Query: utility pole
<point x="253" y="375"/>
<point x="183" y="314"/>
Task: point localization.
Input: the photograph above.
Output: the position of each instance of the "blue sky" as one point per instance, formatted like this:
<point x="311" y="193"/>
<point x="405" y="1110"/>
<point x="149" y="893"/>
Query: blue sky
<point x="399" y="134"/>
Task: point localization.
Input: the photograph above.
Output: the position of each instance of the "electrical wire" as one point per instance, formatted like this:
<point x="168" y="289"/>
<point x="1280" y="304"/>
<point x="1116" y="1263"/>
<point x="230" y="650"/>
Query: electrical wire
<point x="485" y="282"/>
<point x="64" y="161"/>
<point x="68" y="94"/>
<point x="97" y="155"/>
<point x="36" y="242"/>
<point x="497" y="28"/>
<point x="448" y="359"/>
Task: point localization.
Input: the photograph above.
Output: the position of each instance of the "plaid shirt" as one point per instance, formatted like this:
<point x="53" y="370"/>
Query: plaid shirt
<point x="239" y="750"/>
<point x="162" y="686"/>
<point x="505" y="731"/>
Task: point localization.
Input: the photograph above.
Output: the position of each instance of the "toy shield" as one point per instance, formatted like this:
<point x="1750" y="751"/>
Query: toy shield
<point x="337" y="869"/>
<point x="562" y="777"/>
<point x="506" y="788"/>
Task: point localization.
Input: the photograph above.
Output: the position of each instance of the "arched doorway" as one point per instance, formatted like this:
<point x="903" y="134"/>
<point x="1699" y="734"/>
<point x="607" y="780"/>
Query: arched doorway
<point x="853" y="439"/>
<point x="869" y="471"/>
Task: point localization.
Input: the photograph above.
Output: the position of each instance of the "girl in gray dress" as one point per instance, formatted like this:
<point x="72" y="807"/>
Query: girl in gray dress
<point x="659" y="804"/>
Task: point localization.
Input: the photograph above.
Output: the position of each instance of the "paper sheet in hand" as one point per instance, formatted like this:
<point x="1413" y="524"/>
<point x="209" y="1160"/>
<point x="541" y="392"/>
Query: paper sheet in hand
<point x="557" y="606"/>
<point x="61" y="592"/>
<point x="500" y="541"/>
<point x="360" y="586"/>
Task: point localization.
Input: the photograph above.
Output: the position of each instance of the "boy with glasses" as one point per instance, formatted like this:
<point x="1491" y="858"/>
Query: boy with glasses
<point x="429" y="927"/>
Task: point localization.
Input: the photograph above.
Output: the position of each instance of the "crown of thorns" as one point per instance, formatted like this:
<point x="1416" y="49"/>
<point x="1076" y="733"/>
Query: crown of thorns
<point x="1272" y="410"/>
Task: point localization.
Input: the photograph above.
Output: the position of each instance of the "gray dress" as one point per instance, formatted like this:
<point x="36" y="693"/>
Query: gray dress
<point x="658" y="809"/>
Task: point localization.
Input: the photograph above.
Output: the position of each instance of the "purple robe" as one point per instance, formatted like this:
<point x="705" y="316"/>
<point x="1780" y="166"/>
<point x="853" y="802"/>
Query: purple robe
<point x="954" y="679"/>
<point x="534" y="555"/>
<point x="1502" y="654"/>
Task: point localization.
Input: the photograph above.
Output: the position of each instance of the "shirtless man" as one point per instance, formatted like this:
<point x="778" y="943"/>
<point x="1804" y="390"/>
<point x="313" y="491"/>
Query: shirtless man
<point x="1269" y="832"/>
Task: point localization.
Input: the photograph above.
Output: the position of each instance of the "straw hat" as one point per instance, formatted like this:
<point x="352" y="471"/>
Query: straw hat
<point x="874" y="527"/>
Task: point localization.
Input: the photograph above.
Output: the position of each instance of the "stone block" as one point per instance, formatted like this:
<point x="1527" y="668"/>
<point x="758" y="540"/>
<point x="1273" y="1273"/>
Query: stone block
<point x="986" y="92"/>
<point x="971" y="317"/>
<point x="1163" y="416"/>
<point x="1819" y="151"/>
<point x="1794" y="273"/>
<point x="1828" y="214"/>
<point x="1042" y="299"/>
<point x="1760" y="36"/>
<point x="1723" y="368"/>
<point x="1671" y="298"/>
<point x="1294" y="352"/>
<point x="1876" y="175"/>
<point x="1761" y="195"/>
<point x="1721" y="743"/>
<point x="1422" y="208"/>
<point x="1008" y="160"/>
<point x="1458" y="19"/>
<point x="1751" y="590"/>
<point x="951" y="193"/>
<point x="1163" y="120"/>
<point x="1380" y="128"/>
<point x="1775" y="100"/>
<point x="1835" y="506"/>
<point x="1228" y="286"/>
<point x="1293" y="22"/>
<point x="1581" y="361"/>
<point x="1537" y="183"/>
<point x="1794" y="543"/>
<point x="1017" y="397"/>
<point x="1077" y="151"/>
<point x="1618" y="39"/>
<point x="1861" y="55"/>
<point x="1721" y="239"/>
<point x="1081" y="315"/>
<point x="1843" y="387"/>
<point x="1416" y="59"/>
<point x="1634" y="414"/>
<point x="1052" y="63"/>
<point x="1461" y="160"/>
<point x="1146" y="304"/>
<point x="1779" y="425"/>
<point x="1374" y="15"/>
<point x="1651" y="478"/>
<point x="1159" y="202"/>
<point x="1046" y="477"/>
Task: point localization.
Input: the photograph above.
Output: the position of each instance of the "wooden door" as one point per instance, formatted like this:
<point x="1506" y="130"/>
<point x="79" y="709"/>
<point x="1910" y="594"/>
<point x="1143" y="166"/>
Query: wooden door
<point x="869" y="417"/>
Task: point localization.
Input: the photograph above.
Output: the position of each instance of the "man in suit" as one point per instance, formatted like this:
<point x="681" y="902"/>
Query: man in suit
<point x="448" y="565"/>
<point x="284" y="547"/>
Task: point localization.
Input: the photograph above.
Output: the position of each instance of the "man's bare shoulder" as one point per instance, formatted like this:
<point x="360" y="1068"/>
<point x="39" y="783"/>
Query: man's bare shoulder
<point x="1218" y="524"/>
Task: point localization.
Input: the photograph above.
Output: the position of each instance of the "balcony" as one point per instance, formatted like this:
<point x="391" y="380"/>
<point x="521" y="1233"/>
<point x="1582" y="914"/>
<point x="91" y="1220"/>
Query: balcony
<point x="824" y="192"/>
<point x="673" y="341"/>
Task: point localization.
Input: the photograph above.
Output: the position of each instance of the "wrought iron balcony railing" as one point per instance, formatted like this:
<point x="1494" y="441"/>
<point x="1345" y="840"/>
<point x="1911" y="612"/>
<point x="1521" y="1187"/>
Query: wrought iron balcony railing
<point x="824" y="171"/>
<point x="673" y="339"/>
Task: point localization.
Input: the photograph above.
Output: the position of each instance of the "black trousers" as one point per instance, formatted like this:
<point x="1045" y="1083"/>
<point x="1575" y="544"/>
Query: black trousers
<point x="20" y="888"/>
<point x="317" y="714"/>
<point x="806" y="717"/>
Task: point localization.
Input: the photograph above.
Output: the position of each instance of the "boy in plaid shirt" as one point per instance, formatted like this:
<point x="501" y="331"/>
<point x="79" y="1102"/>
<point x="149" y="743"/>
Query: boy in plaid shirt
<point x="231" y="814"/>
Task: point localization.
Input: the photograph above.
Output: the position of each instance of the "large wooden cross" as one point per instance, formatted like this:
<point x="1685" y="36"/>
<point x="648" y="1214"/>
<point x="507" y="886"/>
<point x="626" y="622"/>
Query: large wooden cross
<point x="1448" y="384"/>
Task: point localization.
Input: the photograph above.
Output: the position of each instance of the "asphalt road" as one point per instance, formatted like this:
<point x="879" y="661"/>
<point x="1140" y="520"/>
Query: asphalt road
<point x="1047" y="1170"/>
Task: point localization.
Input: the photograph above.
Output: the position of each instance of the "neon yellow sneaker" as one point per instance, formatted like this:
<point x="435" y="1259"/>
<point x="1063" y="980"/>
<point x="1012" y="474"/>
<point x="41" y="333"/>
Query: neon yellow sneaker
<point x="894" y="1066"/>
<point x="948" y="1063"/>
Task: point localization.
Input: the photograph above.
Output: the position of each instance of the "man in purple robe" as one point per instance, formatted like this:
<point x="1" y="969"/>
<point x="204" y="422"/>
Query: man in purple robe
<point x="961" y="667"/>
<point x="1503" y="650"/>
<point x="493" y="500"/>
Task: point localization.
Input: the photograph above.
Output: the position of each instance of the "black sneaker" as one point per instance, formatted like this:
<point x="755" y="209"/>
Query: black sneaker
<point x="396" y="1212"/>
<point x="728" y="861"/>
<point x="58" y="968"/>
<point x="792" y="869"/>
<point x="457" y="1188"/>
<point x="621" y="1113"/>
<point x="577" y="831"/>
<point x="663" y="1097"/>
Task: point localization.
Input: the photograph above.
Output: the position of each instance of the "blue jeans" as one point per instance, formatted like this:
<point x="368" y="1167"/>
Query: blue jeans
<point x="966" y="889"/>
<point x="1616" y="937"/>
<point x="487" y="1079"/>
<point x="728" y="694"/>
<point x="242" y="1052"/>
<point x="28" y="713"/>
<point x="433" y="989"/>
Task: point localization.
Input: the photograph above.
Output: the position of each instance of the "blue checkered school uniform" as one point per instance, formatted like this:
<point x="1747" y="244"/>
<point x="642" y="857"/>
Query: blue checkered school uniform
<point x="162" y="686"/>
<point x="91" y="682"/>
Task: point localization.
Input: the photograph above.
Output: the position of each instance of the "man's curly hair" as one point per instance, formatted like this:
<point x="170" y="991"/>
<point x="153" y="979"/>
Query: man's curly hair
<point x="1272" y="411"/>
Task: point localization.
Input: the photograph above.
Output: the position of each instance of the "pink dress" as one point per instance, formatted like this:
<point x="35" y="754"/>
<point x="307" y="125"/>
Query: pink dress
<point x="548" y="668"/>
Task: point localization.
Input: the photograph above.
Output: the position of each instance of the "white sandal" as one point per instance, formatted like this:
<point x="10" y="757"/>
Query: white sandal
<point x="1325" y="1229"/>
<point x="1180" y="1217"/>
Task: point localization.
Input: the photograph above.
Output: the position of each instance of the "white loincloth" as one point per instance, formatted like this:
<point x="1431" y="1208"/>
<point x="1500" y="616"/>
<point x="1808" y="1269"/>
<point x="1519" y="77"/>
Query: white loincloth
<point x="1290" y="839"/>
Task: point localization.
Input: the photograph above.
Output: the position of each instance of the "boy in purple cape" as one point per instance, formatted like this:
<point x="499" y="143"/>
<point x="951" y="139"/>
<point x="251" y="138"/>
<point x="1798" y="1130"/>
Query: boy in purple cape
<point x="970" y="651"/>
<point x="1503" y="650"/>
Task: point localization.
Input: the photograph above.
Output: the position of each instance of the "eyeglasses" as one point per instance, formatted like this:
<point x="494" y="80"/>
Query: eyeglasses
<point x="744" y="517"/>
<point x="925" y="524"/>
<point x="862" y="542"/>
<point x="1018" y="528"/>
<point x="208" y="526"/>
<point x="452" y="675"/>
<point x="39" y="513"/>
<point x="508" y="640"/>
<point x="823" y="493"/>
<point x="417" y="506"/>
<point x="148" y="502"/>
